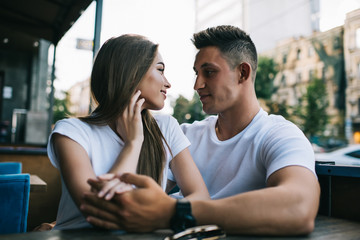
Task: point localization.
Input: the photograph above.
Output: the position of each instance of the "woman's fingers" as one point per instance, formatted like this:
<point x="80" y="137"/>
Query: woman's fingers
<point x="133" y="102"/>
<point x="138" y="106"/>
<point x="106" y="176"/>
<point x="106" y="189"/>
<point x="124" y="187"/>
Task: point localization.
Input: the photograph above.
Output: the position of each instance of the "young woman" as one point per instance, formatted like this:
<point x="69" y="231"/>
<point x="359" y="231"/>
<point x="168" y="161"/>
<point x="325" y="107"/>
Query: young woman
<point x="121" y="135"/>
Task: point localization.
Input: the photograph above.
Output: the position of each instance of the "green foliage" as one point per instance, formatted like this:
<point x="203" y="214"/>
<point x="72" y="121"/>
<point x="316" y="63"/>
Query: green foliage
<point x="60" y="110"/>
<point x="312" y="109"/>
<point x="265" y="75"/>
<point x="186" y="111"/>
<point x="277" y="108"/>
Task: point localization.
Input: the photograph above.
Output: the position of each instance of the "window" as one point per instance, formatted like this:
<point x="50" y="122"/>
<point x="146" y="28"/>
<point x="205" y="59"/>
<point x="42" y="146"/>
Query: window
<point x="357" y="38"/>
<point x="337" y="43"/>
<point x="298" y="78"/>
<point x="298" y="54"/>
<point x="283" y="81"/>
<point x="311" y="74"/>
<point x="311" y="51"/>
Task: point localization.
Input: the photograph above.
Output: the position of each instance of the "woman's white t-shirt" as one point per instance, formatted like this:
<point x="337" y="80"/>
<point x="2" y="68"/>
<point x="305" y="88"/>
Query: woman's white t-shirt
<point x="103" y="146"/>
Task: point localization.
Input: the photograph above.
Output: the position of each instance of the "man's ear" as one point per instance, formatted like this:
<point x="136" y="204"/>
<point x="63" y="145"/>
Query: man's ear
<point x="244" y="71"/>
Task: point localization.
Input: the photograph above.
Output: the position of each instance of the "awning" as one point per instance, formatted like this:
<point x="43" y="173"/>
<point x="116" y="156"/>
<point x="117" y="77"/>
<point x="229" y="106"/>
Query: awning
<point x="46" y="19"/>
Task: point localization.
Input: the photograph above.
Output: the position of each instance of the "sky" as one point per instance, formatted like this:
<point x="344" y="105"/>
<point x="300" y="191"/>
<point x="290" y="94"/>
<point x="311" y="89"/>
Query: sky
<point x="167" y="22"/>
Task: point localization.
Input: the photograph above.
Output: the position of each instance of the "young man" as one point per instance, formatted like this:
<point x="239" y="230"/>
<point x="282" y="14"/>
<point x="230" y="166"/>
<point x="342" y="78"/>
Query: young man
<point x="258" y="168"/>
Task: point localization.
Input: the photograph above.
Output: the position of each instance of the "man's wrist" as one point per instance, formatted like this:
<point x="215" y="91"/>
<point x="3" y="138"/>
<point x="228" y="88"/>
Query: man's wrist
<point x="182" y="217"/>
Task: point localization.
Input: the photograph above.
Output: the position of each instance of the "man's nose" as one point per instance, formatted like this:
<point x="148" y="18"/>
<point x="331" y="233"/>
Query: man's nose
<point x="199" y="83"/>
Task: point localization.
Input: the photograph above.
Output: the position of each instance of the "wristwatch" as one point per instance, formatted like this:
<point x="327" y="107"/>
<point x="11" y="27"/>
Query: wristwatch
<point x="183" y="218"/>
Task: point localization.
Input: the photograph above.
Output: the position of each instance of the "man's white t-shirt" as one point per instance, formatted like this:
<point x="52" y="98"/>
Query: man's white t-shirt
<point x="103" y="146"/>
<point x="245" y="161"/>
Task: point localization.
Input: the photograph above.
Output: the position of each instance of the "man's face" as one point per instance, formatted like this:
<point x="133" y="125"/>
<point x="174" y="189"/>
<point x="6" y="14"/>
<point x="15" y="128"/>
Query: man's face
<point x="216" y="84"/>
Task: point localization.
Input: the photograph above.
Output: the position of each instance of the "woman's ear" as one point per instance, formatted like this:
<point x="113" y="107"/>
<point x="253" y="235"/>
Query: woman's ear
<point x="244" y="71"/>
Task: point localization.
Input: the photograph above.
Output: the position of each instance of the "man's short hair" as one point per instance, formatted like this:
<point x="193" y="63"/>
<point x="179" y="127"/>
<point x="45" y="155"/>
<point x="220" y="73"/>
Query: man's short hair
<point x="235" y="45"/>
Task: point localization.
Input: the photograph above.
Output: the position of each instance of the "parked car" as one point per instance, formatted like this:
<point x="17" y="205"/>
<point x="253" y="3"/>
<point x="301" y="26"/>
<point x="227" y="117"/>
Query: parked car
<point x="349" y="155"/>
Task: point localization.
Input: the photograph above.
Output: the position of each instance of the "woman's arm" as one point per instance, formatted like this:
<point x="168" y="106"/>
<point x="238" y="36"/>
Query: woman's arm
<point x="75" y="165"/>
<point x="188" y="176"/>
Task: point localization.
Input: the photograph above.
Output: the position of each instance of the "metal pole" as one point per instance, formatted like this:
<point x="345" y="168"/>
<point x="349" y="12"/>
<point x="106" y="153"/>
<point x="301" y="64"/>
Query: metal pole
<point x="51" y="114"/>
<point x="97" y="33"/>
<point x="97" y="30"/>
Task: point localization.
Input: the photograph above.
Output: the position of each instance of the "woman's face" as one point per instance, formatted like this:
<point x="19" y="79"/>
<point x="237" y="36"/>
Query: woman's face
<point x="154" y="85"/>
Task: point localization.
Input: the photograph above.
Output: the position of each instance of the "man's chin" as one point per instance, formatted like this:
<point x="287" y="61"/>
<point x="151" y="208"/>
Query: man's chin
<point x="209" y="111"/>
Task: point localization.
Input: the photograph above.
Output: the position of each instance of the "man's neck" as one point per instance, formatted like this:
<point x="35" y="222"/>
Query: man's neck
<point x="231" y="123"/>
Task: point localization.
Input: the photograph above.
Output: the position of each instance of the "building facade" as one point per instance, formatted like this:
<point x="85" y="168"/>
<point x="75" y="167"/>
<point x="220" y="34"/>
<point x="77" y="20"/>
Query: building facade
<point x="352" y="68"/>
<point x="301" y="60"/>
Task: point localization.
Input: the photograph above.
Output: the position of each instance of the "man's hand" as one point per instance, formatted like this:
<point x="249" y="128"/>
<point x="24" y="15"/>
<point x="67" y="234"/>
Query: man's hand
<point x="144" y="209"/>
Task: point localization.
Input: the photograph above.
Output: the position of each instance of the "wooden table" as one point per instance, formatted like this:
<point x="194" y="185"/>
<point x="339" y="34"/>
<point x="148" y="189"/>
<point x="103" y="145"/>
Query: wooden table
<point x="325" y="228"/>
<point x="37" y="184"/>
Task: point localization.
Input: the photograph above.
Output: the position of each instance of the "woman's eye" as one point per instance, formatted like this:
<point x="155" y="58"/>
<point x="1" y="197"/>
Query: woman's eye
<point x="161" y="70"/>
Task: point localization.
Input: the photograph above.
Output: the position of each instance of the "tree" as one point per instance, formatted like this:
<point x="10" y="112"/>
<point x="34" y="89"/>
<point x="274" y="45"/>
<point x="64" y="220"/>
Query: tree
<point x="186" y="111"/>
<point x="60" y="109"/>
<point x="180" y="108"/>
<point x="277" y="108"/>
<point x="265" y="75"/>
<point x="312" y="112"/>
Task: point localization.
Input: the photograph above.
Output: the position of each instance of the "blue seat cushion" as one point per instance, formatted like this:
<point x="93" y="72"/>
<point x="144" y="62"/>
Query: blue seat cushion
<point x="14" y="202"/>
<point x="10" y="167"/>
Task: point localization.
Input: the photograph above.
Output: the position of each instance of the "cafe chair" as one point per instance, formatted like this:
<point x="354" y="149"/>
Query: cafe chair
<point x="14" y="202"/>
<point x="10" y="167"/>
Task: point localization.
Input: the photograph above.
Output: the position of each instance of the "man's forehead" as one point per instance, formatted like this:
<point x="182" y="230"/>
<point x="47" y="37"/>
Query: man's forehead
<point x="208" y="56"/>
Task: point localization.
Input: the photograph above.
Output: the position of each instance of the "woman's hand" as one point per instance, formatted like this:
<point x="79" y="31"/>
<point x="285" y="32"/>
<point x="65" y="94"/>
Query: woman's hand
<point x="107" y="185"/>
<point x="129" y="125"/>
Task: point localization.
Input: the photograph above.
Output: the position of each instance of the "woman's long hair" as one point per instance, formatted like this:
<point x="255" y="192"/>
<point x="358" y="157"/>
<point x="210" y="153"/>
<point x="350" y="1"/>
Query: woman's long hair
<point x="119" y="67"/>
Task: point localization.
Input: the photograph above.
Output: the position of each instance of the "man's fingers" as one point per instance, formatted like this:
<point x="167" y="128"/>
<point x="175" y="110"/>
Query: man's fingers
<point x="98" y="205"/>
<point x="95" y="184"/>
<point x="140" y="181"/>
<point x="102" y="223"/>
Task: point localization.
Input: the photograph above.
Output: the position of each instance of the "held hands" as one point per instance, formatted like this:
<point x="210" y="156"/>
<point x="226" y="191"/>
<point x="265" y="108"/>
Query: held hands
<point x="144" y="209"/>
<point x="107" y="185"/>
<point x="129" y="125"/>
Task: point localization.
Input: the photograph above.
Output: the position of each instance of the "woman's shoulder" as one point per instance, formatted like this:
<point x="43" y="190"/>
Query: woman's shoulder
<point x="71" y="123"/>
<point x="164" y="119"/>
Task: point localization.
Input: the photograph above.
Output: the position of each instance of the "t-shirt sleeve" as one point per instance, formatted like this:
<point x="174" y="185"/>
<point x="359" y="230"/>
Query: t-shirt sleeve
<point x="175" y="138"/>
<point x="71" y="128"/>
<point x="287" y="146"/>
<point x="178" y="139"/>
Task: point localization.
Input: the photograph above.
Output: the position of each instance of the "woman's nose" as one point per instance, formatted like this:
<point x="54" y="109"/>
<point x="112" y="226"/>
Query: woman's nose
<point x="167" y="83"/>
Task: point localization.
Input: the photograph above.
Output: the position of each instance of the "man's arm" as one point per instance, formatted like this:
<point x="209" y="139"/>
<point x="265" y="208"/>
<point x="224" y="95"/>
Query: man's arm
<point x="288" y="206"/>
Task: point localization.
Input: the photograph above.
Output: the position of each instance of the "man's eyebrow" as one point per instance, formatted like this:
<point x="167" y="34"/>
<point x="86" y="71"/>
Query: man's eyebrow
<point x="206" y="65"/>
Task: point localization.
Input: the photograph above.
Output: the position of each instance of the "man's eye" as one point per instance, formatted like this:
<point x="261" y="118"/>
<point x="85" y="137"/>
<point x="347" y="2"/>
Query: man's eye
<point x="209" y="73"/>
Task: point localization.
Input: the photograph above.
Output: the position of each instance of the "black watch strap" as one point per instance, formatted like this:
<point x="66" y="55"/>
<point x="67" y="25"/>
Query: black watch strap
<point x="183" y="217"/>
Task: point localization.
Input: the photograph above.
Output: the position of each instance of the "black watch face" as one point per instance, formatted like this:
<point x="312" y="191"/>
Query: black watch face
<point x="183" y="218"/>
